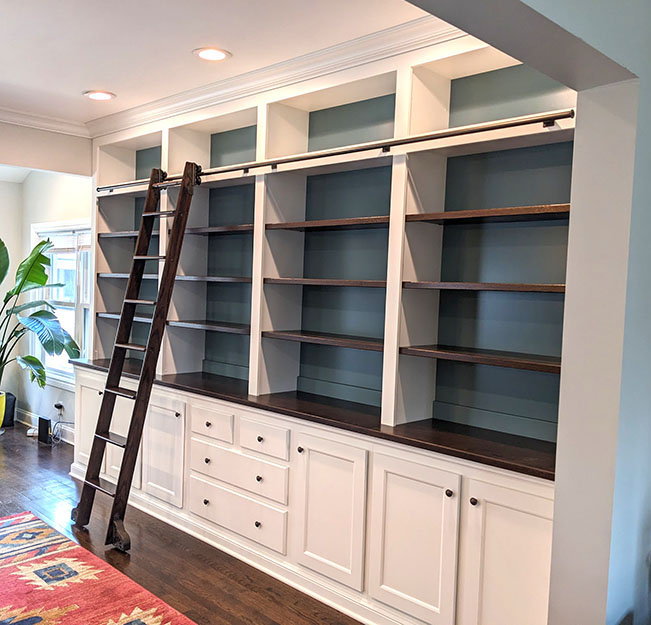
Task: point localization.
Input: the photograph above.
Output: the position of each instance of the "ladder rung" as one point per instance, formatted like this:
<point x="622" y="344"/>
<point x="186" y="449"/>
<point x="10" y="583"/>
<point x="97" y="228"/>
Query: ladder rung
<point x="149" y="258"/>
<point x="114" y="439"/>
<point x="159" y="214"/>
<point x="143" y="302"/>
<point x="134" y="346"/>
<point x="102" y="485"/>
<point x="122" y="392"/>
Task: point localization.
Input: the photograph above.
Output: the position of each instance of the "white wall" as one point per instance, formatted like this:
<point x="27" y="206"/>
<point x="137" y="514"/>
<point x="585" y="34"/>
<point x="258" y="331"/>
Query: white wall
<point x="42" y="149"/>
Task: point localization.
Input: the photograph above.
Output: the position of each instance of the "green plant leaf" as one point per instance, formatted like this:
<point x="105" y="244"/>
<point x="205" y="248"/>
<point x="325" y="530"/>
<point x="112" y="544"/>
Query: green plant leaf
<point x="4" y="261"/>
<point x="35" y="368"/>
<point x="70" y="346"/>
<point x="48" y="330"/>
<point x="27" y="305"/>
<point x="31" y="272"/>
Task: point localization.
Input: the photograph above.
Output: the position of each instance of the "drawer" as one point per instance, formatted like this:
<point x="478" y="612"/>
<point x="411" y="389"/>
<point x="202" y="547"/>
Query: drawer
<point x="264" y="438"/>
<point x="209" y="421"/>
<point x="257" y="476"/>
<point x="256" y="521"/>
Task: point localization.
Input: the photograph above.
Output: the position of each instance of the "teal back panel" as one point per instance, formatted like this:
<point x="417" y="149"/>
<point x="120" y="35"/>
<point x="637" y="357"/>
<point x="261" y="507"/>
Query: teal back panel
<point x="358" y="122"/>
<point x="520" y="402"/>
<point x="349" y="374"/>
<point x="229" y="255"/>
<point x="146" y="160"/>
<point x="508" y="92"/>
<point x="233" y="146"/>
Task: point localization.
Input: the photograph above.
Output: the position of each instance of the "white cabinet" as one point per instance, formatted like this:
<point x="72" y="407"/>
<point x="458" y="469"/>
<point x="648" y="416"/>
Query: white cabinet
<point x="163" y="447"/>
<point x="88" y="401"/>
<point x="330" y="504"/>
<point x="505" y="556"/>
<point x="120" y="425"/>
<point x="413" y="538"/>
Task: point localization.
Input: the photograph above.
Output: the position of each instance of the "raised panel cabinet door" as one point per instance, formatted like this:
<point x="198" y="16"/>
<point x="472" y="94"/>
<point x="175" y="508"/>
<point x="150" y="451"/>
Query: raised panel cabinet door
<point x="120" y="425"/>
<point x="163" y="454"/>
<point x="90" y="400"/>
<point x="414" y="530"/>
<point x="330" y="508"/>
<point x="505" y="556"/>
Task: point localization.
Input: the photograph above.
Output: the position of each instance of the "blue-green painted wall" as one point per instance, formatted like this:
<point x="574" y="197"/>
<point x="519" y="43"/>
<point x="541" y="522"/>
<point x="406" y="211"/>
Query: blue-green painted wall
<point x="367" y="120"/>
<point x="349" y="374"/>
<point x="508" y="92"/>
<point x="233" y="146"/>
<point x="520" y="402"/>
<point x="146" y="160"/>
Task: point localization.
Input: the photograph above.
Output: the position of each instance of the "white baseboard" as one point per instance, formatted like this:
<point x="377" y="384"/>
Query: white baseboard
<point x="30" y="419"/>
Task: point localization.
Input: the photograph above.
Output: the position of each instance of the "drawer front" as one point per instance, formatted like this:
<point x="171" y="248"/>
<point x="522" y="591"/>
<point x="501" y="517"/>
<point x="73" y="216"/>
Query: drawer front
<point x="256" y="521"/>
<point x="217" y="424"/>
<point x="257" y="476"/>
<point x="264" y="438"/>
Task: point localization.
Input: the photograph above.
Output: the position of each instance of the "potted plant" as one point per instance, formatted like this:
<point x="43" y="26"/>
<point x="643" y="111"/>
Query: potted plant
<point x="17" y="319"/>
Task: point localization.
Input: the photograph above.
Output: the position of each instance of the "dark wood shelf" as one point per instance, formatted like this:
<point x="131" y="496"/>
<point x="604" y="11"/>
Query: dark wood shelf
<point x="212" y="326"/>
<point x="125" y="276"/>
<point x="320" y="338"/>
<point x="511" y="360"/>
<point x="327" y="282"/>
<point x="116" y="315"/>
<point x="515" y="453"/>
<point x="513" y="213"/>
<point x="484" y="286"/>
<point x="123" y="234"/>
<point x="205" y="230"/>
<point x="182" y="278"/>
<point x="348" y="223"/>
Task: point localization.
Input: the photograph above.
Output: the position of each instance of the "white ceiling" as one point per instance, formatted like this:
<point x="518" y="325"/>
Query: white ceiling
<point x="141" y="49"/>
<point x="9" y="173"/>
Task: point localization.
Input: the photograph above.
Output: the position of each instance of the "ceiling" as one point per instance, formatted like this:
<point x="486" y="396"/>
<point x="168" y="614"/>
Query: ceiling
<point x="142" y="50"/>
<point x="9" y="173"/>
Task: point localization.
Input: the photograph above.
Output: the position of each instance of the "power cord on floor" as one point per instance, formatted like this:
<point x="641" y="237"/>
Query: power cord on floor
<point x="56" y="434"/>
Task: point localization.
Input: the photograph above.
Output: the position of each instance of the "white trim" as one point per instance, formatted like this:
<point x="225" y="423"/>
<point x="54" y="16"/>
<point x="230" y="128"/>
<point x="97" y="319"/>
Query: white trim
<point x="60" y="380"/>
<point x="30" y="419"/>
<point x="58" y="226"/>
<point x="414" y="35"/>
<point x="42" y="122"/>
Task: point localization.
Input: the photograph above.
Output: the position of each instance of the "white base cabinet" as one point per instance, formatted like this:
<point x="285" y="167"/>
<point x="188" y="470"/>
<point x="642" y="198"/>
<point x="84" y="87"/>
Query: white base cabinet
<point x="389" y="534"/>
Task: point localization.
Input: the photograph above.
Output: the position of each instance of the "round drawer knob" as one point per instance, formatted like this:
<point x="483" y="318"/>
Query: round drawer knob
<point x="258" y="524"/>
<point x="206" y="502"/>
<point x="258" y="478"/>
<point x="300" y="450"/>
<point x="449" y="493"/>
<point x="206" y="460"/>
<point x="177" y="414"/>
<point x="100" y="392"/>
<point x="260" y="439"/>
<point x="473" y="501"/>
<point x="208" y="424"/>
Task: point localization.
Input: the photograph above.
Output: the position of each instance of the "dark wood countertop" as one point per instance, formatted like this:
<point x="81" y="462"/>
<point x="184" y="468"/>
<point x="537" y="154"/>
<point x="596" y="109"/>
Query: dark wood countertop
<point x="515" y="453"/>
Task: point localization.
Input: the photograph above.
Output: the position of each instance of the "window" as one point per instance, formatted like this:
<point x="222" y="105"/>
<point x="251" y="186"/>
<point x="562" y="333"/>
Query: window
<point x="69" y="265"/>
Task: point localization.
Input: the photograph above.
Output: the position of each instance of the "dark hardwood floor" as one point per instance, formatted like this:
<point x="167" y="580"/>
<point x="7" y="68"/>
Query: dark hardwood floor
<point x="208" y="586"/>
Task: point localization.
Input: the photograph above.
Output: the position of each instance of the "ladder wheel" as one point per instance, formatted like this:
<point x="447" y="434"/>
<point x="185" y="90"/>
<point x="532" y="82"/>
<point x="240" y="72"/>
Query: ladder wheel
<point x="120" y="539"/>
<point x="74" y="515"/>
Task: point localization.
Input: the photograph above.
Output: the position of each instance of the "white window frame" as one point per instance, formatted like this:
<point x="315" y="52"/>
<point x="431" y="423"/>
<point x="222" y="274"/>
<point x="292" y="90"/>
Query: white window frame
<point x="39" y="231"/>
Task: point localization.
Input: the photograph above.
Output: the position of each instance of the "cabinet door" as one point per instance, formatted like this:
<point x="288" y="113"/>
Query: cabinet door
<point x="163" y="448"/>
<point x="89" y="398"/>
<point x="506" y="556"/>
<point x="120" y="425"/>
<point x="330" y="508"/>
<point x="414" y="533"/>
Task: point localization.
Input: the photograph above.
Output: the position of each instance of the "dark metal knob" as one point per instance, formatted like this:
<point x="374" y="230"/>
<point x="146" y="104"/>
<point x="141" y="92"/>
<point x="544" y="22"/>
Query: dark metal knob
<point x="260" y="439"/>
<point x="206" y="502"/>
<point x="258" y="524"/>
<point x="208" y="424"/>
<point x="300" y="450"/>
<point x="100" y="392"/>
<point x="473" y="501"/>
<point x="449" y="493"/>
<point x="206" y="460"/>
<point x="258" y="478"/>
<point x="177" y="414"/>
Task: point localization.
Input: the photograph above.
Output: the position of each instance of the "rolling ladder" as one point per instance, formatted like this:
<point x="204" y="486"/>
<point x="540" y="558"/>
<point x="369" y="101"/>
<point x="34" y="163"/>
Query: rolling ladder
<point x="116" y="533"/>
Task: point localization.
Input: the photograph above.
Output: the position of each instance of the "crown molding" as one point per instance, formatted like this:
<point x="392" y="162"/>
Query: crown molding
<point x="42" y="122"/>
<point x="413" y="35"/>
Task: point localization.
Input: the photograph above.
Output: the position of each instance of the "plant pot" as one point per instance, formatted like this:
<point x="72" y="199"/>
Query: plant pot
<point x="7" y="409"/>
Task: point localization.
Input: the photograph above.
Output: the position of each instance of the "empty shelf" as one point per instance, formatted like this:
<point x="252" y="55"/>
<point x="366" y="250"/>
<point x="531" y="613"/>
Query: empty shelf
<point x="327" y="282"/>
<point x="348" y="223"/>
<point x="319" y="338"/>
<point x="484" y="286"/>
<point x="213" y="326"/>
<point x="514" y="213"/>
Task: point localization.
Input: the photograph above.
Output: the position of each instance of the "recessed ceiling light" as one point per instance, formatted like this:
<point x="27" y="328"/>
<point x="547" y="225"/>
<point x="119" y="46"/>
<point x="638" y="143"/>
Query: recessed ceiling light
<point x="211" y="54"/>
<point x="95" y="94"/>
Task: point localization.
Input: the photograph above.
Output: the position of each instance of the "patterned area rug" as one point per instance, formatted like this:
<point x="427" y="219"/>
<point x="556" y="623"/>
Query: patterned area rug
<point x="47" y="579"/>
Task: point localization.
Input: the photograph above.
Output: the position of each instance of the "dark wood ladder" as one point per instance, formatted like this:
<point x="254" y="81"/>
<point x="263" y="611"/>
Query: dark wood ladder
<point x="117" y="534"/>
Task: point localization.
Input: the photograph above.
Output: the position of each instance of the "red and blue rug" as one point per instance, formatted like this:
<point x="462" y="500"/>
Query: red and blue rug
<point x="46" y="579"/>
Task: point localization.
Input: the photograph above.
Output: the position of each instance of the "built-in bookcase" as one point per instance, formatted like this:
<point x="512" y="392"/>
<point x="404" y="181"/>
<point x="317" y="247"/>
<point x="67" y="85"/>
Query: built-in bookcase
<point x="423" y="283"/>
